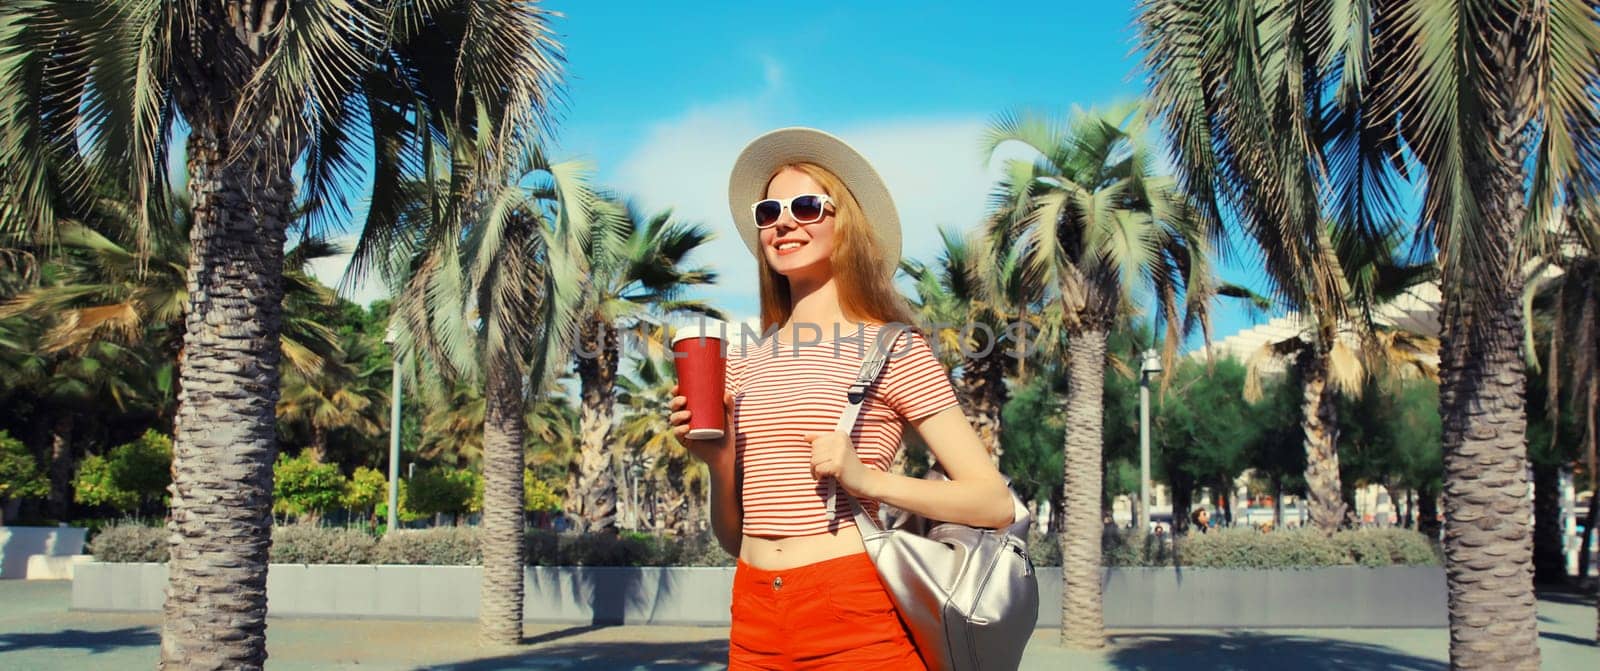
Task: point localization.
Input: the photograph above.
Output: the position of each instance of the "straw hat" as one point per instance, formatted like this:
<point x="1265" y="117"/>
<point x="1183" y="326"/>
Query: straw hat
<point x="765" y="154"/>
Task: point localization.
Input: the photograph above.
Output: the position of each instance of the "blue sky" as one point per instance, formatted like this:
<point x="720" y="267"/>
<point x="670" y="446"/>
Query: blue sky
<point x="661" y="97"/>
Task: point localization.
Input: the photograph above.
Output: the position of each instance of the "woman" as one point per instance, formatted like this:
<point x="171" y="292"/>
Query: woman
<point x="826" y="238"/>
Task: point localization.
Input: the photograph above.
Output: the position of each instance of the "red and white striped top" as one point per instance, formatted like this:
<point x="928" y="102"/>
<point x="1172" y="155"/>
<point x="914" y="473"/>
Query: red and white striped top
<point x="783" y="391"/>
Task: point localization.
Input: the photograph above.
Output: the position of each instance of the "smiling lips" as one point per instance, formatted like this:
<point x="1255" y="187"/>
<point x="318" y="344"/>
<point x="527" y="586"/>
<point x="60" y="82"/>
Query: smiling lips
<point x="786" y="247"/>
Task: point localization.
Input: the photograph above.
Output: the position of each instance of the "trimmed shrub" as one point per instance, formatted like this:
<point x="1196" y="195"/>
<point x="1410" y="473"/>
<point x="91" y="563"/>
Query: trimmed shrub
<point x="1248" y="548"/>
<point x="698" y="550"/>
<point x="1127" y="548"/>
<point x="1388" y="547"/>
<point x="1043" y="550"/>
<point x="625" y="549"/>
<point x="310" y="544"/>
<point x="130" y="543"/>
<point x="450" y="546"/>
<point x="458" y="546"/>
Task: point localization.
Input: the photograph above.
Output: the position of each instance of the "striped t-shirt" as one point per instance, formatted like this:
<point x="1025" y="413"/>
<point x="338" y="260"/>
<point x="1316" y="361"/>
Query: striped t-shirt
<point x="782" y="392"/>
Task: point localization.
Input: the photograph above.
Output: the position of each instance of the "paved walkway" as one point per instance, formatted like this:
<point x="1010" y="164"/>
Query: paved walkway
<point x="38" y="632"/>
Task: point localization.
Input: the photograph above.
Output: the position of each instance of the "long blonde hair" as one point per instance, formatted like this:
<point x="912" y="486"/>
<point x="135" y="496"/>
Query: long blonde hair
<point x="866" y="286"/>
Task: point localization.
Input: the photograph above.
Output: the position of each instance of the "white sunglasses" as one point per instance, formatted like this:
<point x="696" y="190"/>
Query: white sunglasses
<point x="806" y="208"/>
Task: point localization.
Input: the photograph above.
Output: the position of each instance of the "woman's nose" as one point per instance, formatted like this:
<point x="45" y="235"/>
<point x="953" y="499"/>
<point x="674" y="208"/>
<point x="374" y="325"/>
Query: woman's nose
<point x="785" y="221"/>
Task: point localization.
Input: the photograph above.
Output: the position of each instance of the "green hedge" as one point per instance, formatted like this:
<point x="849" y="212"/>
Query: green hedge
<point x="448" y="546"/>
<point x="1247" y="548"/>
<point x="458" y="546"/>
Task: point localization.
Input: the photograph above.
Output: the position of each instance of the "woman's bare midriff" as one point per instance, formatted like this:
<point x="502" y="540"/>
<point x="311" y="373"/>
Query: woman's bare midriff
<point x="780" y="554"/>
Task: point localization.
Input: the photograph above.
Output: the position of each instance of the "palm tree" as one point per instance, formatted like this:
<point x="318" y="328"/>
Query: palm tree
<point x="638" y="272"/>
<point x="681" y="480"/>
<point x="1468" y="88"/>
<point x="1564" y="295"/>
<point x="92" y="91"/>
<point x="979" y="301"/>
<point x="1095" y="222"/>
<point x="1291" y="144"/>
<point x="101" y="293"/>
<point x="452" y="428"/>
<point x="1333" y="354"/>
<point x="338" y="397"/>
<point x="102" y="299"/>
<point x="490" y="299"/>
<point x="551" y="442"/>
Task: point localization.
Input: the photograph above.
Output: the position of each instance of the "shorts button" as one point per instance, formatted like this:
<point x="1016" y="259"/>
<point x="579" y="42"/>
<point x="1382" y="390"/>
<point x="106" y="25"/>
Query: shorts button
<point x="777" y="583"/>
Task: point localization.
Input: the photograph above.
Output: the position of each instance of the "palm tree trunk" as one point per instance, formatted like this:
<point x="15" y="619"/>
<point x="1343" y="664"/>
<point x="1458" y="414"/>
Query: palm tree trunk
<point x="1549" y="563"/>
<point x="318" y="449"/>
<point x="1277" y="501"/>
<point x="1182" y="500"/>
<point x="500" y="613"/>
<point x="226" y="440"/>
<point x="1319" y="419"/>
<point x="1428" y="514"/>
<point x="679" y="503"/>
<point x="61" y="467"/>
<point x="1487" y="540"/>
<point x="596" y="494"/>
<point x="1082" y="621"/>
<point x="984" y="389"/>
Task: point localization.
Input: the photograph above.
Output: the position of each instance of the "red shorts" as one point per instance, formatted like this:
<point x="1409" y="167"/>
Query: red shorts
<point x="833" y="614"/>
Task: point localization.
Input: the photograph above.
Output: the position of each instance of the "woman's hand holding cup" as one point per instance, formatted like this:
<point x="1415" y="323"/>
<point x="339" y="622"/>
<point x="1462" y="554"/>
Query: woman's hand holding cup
<point x="701" y="364"/>
<point x="708" y="450"/>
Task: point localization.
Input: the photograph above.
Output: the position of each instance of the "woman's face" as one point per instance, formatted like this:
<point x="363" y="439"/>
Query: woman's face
<point x="794" y="248"/>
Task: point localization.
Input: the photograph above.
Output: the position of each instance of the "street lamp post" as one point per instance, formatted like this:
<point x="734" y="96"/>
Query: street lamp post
<point x="394" y="431"/>
<point x="1150" y="365"/>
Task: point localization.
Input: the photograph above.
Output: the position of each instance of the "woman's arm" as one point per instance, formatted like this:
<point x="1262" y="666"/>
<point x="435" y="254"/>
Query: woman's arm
<point x="975" y="495"/>
<point x="727" y="514"/>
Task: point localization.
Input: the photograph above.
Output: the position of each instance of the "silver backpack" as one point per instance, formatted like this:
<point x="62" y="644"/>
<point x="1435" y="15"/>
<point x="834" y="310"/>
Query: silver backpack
<point x="968" y="596"/>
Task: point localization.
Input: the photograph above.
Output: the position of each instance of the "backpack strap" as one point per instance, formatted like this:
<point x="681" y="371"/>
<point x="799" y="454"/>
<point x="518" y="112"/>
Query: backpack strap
<point x="870" y="367"/>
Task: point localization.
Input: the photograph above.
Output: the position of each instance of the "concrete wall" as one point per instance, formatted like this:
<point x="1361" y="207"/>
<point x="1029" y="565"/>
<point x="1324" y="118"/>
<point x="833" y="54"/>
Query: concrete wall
<point x="1134" y="598"/>
<point x="17" y="544"/>
<point x="1340" y="596"/>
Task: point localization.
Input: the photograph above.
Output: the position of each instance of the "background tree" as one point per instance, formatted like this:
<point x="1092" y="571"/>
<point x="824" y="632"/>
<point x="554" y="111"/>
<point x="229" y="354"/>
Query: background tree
<point x="490" y="300"/>
<point x="306" y="487"/>
<point x="364" y="491"/>
<point x="979" y="300"/>
<point x="1202" y="430"/>
<point x="439" y="491"/>
<point x="639" y="269"/>
<point x="19" y="474"/>
<point x="1094" y="221"/>
<point x="92" y="94"/>
<point x="130" y="478"/>
<point x="679" y="480"/>
<point x="1497" y="103"/>
<point x="1032" y="455"/>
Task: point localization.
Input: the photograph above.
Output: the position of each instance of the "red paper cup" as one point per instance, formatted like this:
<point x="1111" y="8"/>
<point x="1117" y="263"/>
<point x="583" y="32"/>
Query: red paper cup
<point x="702" y="373"/>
